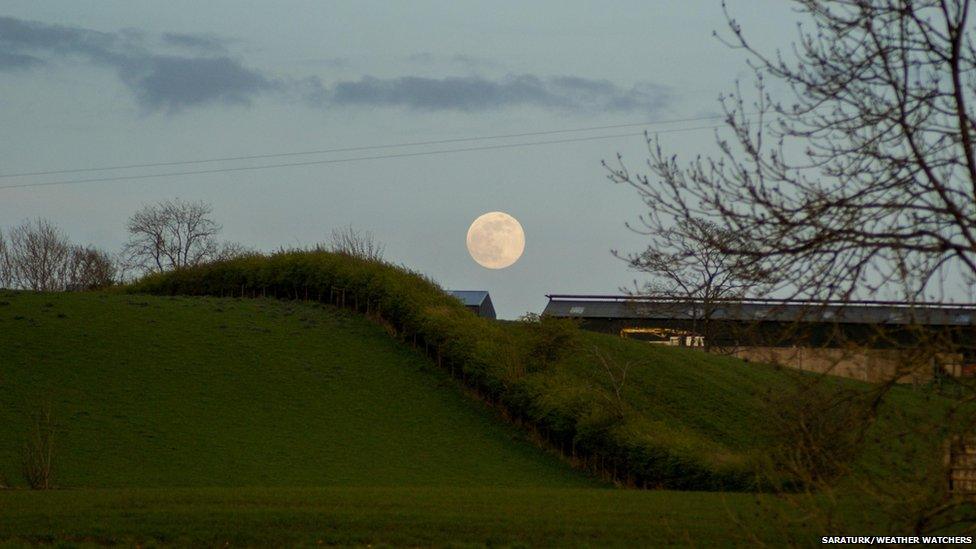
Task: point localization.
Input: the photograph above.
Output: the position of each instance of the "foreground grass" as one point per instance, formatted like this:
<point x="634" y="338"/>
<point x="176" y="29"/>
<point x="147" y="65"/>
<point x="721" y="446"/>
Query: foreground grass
<point x="394" y="516"/>
<point x="152" y="392"/>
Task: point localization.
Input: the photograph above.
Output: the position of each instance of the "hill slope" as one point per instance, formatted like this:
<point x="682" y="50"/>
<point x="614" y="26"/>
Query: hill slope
<point x="154" y="392"/>
<point x="682" y="419"/>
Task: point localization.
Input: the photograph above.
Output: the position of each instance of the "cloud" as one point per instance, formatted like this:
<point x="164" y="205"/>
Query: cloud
<point x="171" y="83"/>
<point x="475" y="93"/>
<point x="158" y="81"/>
<point x="175" y="71"/>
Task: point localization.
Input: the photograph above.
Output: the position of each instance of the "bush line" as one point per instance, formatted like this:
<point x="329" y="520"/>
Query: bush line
<point x="504" y="364"/>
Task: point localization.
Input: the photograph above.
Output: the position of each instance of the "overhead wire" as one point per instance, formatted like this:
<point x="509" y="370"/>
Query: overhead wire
<point x="340" y="160"/>
<point x="358" y="148"/>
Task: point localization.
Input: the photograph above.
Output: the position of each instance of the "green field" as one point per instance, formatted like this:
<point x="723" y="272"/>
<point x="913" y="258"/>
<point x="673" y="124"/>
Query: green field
<point x="427" y="516"/>
<point x="153" y="392"/>
<point x="193" y="420"/>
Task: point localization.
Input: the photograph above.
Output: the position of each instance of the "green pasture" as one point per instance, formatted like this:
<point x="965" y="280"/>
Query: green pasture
<point x="254" y="422"/>
<point x="148" y="391"/>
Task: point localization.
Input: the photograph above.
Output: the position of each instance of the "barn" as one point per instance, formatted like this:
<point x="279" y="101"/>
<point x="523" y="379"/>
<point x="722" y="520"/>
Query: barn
<point x="476" y="301"/>
<point x="859" y="339"/>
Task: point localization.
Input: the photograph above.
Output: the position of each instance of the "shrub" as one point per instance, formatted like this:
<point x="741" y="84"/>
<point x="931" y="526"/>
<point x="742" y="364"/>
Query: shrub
<point x="552" y="338"/>
<point x="815" y="432"/>
<point x="38" y="463"/>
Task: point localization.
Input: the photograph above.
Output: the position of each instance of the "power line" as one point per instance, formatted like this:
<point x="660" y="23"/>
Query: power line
<point x="342" y="160"/>
<point x="356" y="149"/>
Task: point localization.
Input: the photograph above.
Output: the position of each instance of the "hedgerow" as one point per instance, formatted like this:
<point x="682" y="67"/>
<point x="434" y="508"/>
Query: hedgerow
<point x="514" y="366"/>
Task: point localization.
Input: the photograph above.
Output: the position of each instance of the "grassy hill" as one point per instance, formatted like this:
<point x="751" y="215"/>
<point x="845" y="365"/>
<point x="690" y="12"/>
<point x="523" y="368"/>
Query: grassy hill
<point x="150" y="392"/>
<point x="401" y="418"/>
<point x="203" y="421"/>
<point x="678" y="419"/>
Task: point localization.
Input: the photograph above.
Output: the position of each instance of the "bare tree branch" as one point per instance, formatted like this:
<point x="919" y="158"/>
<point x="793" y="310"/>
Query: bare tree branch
<point x="350" y="241"/>
<point x="869" y="163"/>
<point x="38" y="256"/>
<point x="171" y="235"/>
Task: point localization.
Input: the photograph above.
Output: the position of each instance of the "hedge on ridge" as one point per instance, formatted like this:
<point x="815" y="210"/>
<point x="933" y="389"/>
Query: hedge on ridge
<point x="510" y="365"/>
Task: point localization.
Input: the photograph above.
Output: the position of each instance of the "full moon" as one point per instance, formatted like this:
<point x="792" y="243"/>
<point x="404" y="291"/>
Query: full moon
<point x="496" y="240"/>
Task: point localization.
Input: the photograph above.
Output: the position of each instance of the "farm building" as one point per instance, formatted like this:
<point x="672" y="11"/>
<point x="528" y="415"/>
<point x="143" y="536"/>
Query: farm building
<point x="860" y="339"/>
<point x="477" y="301"/>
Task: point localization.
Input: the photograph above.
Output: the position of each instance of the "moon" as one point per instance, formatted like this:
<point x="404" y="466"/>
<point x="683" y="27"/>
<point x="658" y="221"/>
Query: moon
<point x="496" y="240"/>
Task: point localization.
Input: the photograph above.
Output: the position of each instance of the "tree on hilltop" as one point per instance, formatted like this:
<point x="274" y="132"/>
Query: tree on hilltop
<point x="174" y="234"/>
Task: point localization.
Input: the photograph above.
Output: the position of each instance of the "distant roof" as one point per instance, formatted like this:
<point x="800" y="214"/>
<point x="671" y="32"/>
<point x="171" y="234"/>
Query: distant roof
<point x="471" y="298"/>
<point x="777" y="310"/>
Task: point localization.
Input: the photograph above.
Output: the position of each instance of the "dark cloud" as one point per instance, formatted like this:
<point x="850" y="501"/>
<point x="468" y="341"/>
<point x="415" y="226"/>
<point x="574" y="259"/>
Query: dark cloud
<point x="17" y="35"/>
<point x="476" y="93"/>
<point x="158" y="81"/>
<point x="202" y="73"/>
<point x="171" y="83"/>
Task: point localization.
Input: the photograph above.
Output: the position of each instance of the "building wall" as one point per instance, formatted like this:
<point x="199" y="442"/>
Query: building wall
<point x="870" y="353"/>
<point x="872" y="365"/>
<point x="807" y="334"/>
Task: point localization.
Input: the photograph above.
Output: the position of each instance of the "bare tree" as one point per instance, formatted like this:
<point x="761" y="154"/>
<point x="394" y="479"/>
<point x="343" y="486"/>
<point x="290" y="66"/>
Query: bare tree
<point x="866" y="172"/>
<point x="170" y="235"/>
<point x="691" y="273"/>
<point x="863" y="176"/>
<point x="616" y="375"/>
<point x="38" y="256"/>
<point x="351" y="241"/>
<point x="5" y="275"/>
<point x="91" y="268"/>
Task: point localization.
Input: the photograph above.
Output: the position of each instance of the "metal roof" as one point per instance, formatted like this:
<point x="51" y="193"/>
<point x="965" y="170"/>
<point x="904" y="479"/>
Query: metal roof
<point x="775" y="310"/>
<point x="470" y="298"/>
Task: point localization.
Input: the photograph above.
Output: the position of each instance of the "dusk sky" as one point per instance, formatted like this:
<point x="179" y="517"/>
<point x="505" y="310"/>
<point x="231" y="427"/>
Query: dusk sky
<point x="88" y="84"/>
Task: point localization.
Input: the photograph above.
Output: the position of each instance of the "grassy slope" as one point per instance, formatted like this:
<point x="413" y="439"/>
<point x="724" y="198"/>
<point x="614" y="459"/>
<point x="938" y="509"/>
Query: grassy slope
<point x="726" y="404"/>
<point x="416" y="517"/>
<point x="730" y="413"/>
<point x="154" y="392"/>
<point x="342" y="434"/>
<point x="686" y="420"/>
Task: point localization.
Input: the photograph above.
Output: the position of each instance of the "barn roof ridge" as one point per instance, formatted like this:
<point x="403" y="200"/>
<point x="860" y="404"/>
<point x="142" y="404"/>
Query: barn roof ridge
<point x="766" y="309"/>
<point x="761" y="300"/>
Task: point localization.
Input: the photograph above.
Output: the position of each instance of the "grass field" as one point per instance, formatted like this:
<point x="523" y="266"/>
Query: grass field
<point x="734" y="408"/>
<point x="426" y="516"/>
<point x="203" y="421"/>
<point x="151" y="392"/>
